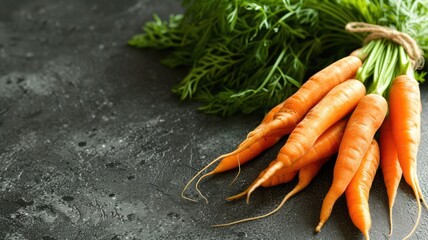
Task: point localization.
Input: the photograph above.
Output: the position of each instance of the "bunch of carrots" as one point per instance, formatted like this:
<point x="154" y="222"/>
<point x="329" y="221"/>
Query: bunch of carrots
<point x="338" y="112"/>
<point x="365" y="108"/>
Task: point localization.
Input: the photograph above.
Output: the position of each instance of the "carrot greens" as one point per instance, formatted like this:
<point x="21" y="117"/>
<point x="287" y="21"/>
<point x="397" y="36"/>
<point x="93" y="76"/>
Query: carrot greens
<point x="242" y="55"/>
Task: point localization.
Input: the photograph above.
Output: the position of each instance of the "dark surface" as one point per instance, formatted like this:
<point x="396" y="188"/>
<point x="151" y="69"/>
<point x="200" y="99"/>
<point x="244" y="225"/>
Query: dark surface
<point x="94" y="146"/>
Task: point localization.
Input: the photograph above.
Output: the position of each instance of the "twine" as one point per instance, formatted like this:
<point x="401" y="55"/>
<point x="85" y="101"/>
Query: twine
<point x="408" y="43"/>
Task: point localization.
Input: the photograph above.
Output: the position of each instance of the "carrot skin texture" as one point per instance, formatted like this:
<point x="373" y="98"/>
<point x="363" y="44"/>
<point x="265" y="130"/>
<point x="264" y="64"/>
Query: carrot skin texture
<point x="405" y="111"/>
<point x="232" y="162"/>
<point x="306" y="174"/>
<point x="273" y="181"/>
<point x="391" y="169"/>
<point x="309" y="94"/>
<point x="357" y="193"/>
<point x="266" y="119"/>
<point x="334" y="106"/>
<point x="362" y="126"/>
<point x="319" y="85"/>
<point x="276" y="180"/>
<point x="324" y="147"/>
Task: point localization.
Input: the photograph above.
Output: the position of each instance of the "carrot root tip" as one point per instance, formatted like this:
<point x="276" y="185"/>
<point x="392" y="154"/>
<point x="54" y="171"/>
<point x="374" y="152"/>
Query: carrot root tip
<point x="251" y="190"/>
<point x="199" y="173"/>
<point x="198" y="182"/>
<point x="366" y="234"/>
<point x="319" y="226"/>
<point x="237" y="175"/>
<point x="390" y="221"/>
<point x="235" y="197"/>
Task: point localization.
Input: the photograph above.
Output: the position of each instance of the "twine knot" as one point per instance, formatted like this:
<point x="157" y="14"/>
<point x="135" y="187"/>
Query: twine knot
<point x="409" y="44"/>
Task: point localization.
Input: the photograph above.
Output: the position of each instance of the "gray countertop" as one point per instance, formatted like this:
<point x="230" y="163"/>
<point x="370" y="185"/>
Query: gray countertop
<point x="93" y="145"/>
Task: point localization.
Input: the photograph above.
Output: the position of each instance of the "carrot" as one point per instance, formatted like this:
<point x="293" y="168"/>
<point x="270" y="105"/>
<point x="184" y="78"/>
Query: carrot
<point x="292" y="110"/>
<point x="235" y="159"/>
<point x="267" y="118"/>
<point x="229" y="162"/>
<point x="276" y="179"/>
<point x="334" y="106"/>
<point x="390" y="165"/>
<point x="325" y="146"/>
<point x="362" y="126"/>
<point x="357" y="192"/>
<point x="309" y="94"/>
<point x="405" y="111"/>
<point x="306" y="174"/>
<point x="281" y="178"/>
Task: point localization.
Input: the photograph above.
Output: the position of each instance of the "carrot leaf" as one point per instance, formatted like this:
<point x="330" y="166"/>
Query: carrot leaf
<point x="249" y="55"/>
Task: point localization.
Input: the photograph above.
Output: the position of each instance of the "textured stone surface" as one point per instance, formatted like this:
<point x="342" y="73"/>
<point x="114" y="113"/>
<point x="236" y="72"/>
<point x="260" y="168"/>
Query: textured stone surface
<point x="94" y="146"/>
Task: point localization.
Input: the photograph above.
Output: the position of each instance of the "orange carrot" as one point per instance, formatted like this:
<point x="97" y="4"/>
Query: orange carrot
<point x="281" y="178"/>
<point x="362" y="126"/>
<point x="390" y="166"/>
<point x="235" y="159"/>
<point x="267" y="118"/>
<point x="357" y="192"/>
<point x="325" y="146"/>
<point x="230" y="162"/>
<point x="275" y="180"/>
<point x="292" y="110"/>
<point x="309" y="94"/>
<point x="306" y="174"/>
<point x="405" y="111"/>
<point x="340" y="101"/>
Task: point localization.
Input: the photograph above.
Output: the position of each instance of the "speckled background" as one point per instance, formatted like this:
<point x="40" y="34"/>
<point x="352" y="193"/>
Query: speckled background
<point x="93" y="145"/>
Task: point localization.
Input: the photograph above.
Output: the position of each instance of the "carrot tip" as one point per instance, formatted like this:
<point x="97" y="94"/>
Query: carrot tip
<point x="237" y="175"/>
<point x="319" y="226"/>
<point x="366" y="235"/>
<point x="217" y="225"/>
<point x="189" y="199"/>
<point x="235" y="197"/>
<point x="251" y="190"/>
<point x="390" y="221"/>
<point x="199" y="173"/>
<point x="197" y="184"/>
